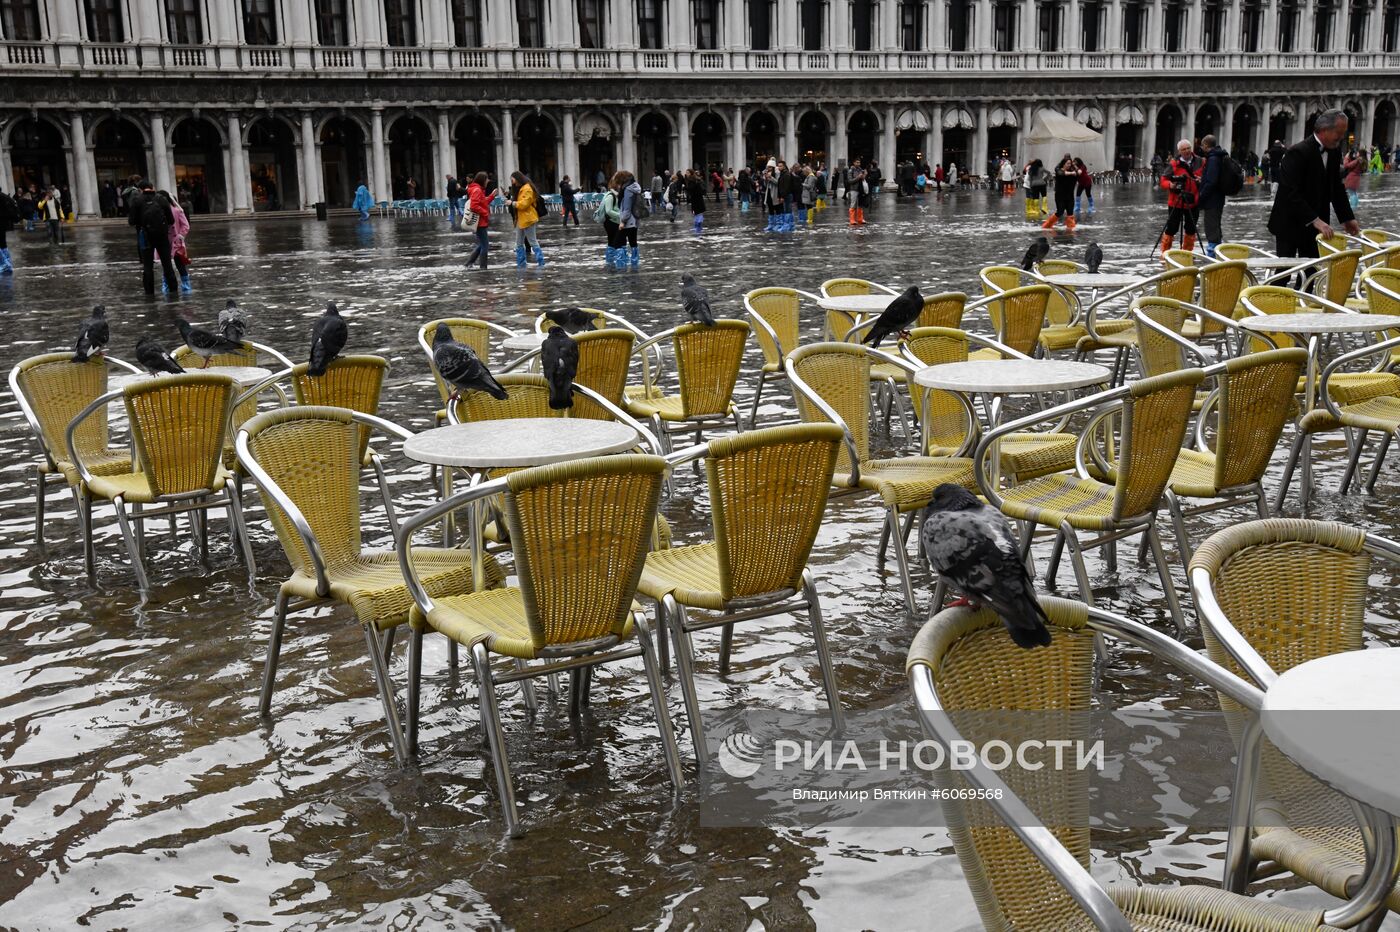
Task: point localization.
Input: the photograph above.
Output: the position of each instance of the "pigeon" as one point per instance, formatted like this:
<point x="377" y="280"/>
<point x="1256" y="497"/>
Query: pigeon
<point x="559" y="355"/>
<point x="1037" y="250"/>
<point x="897" y="317"/>
<point x="572" y="319"/>
<point x="204" y="343"/>
<point x="972" y="547"/>
<point x="154" y="358"/>
<point x="92" y="339"/>
<point x="328" y="337"/>
<point x="461" y="367"/>
<point x="233" y="322"/>
<point x="1093" y="258"/>
<point x="696" y="300"/>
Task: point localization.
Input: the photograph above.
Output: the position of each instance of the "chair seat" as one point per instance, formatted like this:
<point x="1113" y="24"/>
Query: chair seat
<point x="1332" y="857"/>
<point x="1200" y="908"/>
<point x="1108" y="339"/>
<point x="985" y="353"/>
<point x="668" y="408"/>
<point x="1192" y="329"/>
<point x="491" y="533"/>
<point x="1032" y="455"/>
<point x="372" y="584"/>
<point x="641" y="391"/>
<point x="136" y="490"/>
<point x="690" y="574"/>
<point x="1085" y="503"/>
<point x="1194" y="474"/>
<point x="1381" y="413"/>
<point x="1061" y="336"/>
<point x="908" y="482"/>
<point x="884" y="371"/>
<point x="1353" y="387"/>
<point x="495" y="617"/>
<point x="776" y="368"/>
<point x="110" y="462"/>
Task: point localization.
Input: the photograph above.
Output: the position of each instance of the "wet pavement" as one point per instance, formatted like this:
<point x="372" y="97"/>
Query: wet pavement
<point x="139" y="789"/>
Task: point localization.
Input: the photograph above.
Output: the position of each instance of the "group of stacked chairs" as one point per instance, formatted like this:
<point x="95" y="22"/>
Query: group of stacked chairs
<point x="197" y="441"/>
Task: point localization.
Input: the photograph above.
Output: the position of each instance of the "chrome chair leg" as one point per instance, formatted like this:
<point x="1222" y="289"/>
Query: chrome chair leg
<point x="415" y="690"/>
<point x="902" y="559"/>
<point x="495" y="738"/>
<point x="386" y="692"/>
<point x="1076" y="554"/>
<point x="1375" y="472"/>
<point x="669" y="748"/>
<point x="240" y="530"/>
<point x="1356" y="445"/>
<point x="132" y="548"/>
<point x="527" y="690"/>
<point x="726" y="640"/>
<point x="814" y="611"/>
<point x="758" y="393"/>
<point x="685" y="669"/>
<point x="274" y="650"/>
<point x="1165" y="573"/>
<point x="39" y="490"/>
<point x="85" y="525"/>
<point x="1053" y="567"/>
<point x="1293" y="454"/>
<point x="1240" y="834"/>
<point x="1183" y="542"/>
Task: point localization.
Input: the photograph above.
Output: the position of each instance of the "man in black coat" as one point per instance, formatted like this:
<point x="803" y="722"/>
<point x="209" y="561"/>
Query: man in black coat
<point x="151" y="215"/>
<point x="1309" y="184"/>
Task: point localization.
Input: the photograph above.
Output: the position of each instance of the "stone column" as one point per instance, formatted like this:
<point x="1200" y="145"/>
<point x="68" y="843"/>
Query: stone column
<point x="84" y="179"/>
<point x="788" y="40"/>
<point x="938" y="26"/>
<point x="684" y="156"/>
<point x="314" y="189"/>
<point x="1113" y="30"/>
<point x="736" y="138"/>
<point x="627" y="151"/>
<point x="839" y="139"/>
<point x="1226" y="136"/>
<point x="1073" y="29"/>
<point x="1148" y="143"/>
<point x="1157" y="28"/>
<point x="1029" y="25"/>
<point x="1188" y="127"/>
<point x="1306" y="31"/>
<point x="160" y="155"/>
<point x="1261" y="126"/>
<point x="382" y="187"/>
<point x="570" y="164"/>
<point x="1367" y="129"/>
<point x="790" y="135"/>
<point x="889" y="26"/>
<point x="447" y="160"/>
<point x="979" y="160"/>
<point x="1232" y="41"/>
<point x="1340" y="15"/>
<point x="239" y="184"/>
<point x="507" y="164"/>
<point x="935" y="134"/>
<point x="1268" y="32"/>
<point x="734" y="25"/>
<point x="1375" y="28"/>
<point x="885" y="156"/>
<point x="983" y="26"/>
<point x="1193" y="27"/>
<point x="1110" y="132"/>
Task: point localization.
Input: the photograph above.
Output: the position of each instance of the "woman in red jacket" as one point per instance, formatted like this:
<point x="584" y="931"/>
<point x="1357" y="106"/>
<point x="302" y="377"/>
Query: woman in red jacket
<point x="478" y="204"/>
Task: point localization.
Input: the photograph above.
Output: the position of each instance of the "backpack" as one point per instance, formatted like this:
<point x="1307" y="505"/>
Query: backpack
<point x="541" y="205"/>
<point x="601" y="214"/>
<point x="640" y="208"/>
<point x="1231" y="177"/>
<point x="153" y="217"/>
<point x="9" y="210"/>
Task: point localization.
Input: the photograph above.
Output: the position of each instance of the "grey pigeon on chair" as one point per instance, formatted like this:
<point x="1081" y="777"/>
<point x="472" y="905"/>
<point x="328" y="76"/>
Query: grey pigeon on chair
<point x="92" y="339"/>
<point x="328" y="336"/>
<point x="559" y="360"/>
<point x="233" y="322"/>
<point x="461" y="368"/>
<point x="154" y="358"/>
<point x="204" y="343"/>
<point x="696" y="301"/>
<point x="1037" y="250"/>
<point x="572" y="319"/>
<point x="897" y="317"/>
<point x="1093" y="258"/>
<point x="973" y="549"/>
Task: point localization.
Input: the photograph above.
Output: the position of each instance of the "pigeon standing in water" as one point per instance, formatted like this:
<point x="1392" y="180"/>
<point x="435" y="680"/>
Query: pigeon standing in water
<point x="328" y="336"/>
<point x="696" y="300"/>
<point x="1093" y="258"/>
<point x="462" y="368"/>
<point x="233" y="323"/>
<point x="205" y="344"/>
<point x="154" y="358"/>
<point x="898" y="316"/>
<point x="559" y="356"/>
<point x="92" y="339"/>
<point x="572" y="319"/>
<point x="972" y="547"/>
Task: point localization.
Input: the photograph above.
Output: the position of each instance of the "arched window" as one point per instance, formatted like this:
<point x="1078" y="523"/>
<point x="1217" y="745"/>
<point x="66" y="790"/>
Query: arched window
<point x="1004" y="27"/>
<point x="911" y="25"/>
<point x="19" y="20"/>
<point x="1391" y="38"/>
<point x="959" y="25"/>
<point x="183" y="23"/>
<point x="863" y="25"/>
<point x="1091" y="17"/>
<point x="760" y="25"/>
<point x="401" y="27"/>
<point x="590" y="23"/>
<point x="104" y="21"/>
<point x="332" y="23"/>
<point x="466" y="24"/>
<point x="1174" y="26"/>
<point x="1251" y="27"/>
<point x="260" y="22"/>
<point x="529" y="17"/>
<point x="1134" y="25"/>
<point x="1323" y="24"/>
<point x="1288" y="26"/>
<point x="707" y="24"/>
<point x="1213" y="27"/>
<point x="813" y="21"/>
<point x="1050" y="15"/>
<point x="1356" y="26"/>
<point x="649" y="25"/>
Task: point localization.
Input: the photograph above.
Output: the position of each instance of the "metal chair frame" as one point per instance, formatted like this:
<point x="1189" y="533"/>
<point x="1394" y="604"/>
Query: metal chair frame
<point x="760" y="324"/>
<point x="695" y="424"/>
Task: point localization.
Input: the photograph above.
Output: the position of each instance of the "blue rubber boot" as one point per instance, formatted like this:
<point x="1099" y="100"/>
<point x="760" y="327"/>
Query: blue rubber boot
<point x="620" y="257"/>
<point x="520" y="257"/>
<point x="185" y="285"/>
<point x="1210" y="249"/>
<point x="608" y="257"/>
<point x="635" y="259"/>
<point x="6" y="266"/>
<point x="539" y="258"/>
<point x="699" y="222"/>
<point x="770" y="228"/>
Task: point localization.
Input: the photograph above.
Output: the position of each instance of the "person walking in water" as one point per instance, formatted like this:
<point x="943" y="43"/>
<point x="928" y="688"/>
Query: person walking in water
<point x="9" y="217"/>
<point x="567" y="204"/>
<point x="1066" y="179"/>
<point x="524" y="198"/>
<point x="152" y="216"/>
<point x="695" y="192"/>
<point x="627" y="217"/>
<point x="363" y="201"/>
<point x="179" y="252"/>
<point x="478" y="207"/>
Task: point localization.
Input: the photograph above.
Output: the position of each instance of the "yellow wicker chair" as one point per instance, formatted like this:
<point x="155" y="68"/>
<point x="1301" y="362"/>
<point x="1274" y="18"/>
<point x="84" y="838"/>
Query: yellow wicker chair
<point x="1017" y="315"/>
<point x="607" y="320"/>
<point x="831" y="382"/>
<point x="1380" y="287"/>
<point x="1333" y="276"/>
<point x="1153" y="414"/>
<point x="839" y="322"/>
<point x="1272" y="595"/>
<point x="776" y="314"/>
<point x="252" y="354"/>
<point x="580" y="532"/>
<point x="1119" y="335"/>
<point x="1385" y="257"/>
<point x="179" y="424"/>
<point x="707" y="366"/>
<point x="306" y="463"/>
<point x="51" y="389"/>
<point x="1022" y="836"/>
<point x="1183" y="258"/>
<point x="1220" y="284"/>
<point x="466" y="330"/>
<point x="947" y="428"/>
<point x="1239" y="251"/>
<point x="768" y="492"/>
<point x="354" y="382"/>
<point x="1380" y="237"/>
<point x="1062" y="328"/>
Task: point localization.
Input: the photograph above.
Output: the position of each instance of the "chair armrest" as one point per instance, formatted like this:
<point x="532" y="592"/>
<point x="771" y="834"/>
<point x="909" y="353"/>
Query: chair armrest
<point x="1185" y="344"/>
<point x="768" y="330"/>
<point x="264" y="348"/>
<point x="620" y="415"/>
<point x="272" y="490"/>
<point x="72" y="430"/>
<point x="681" y="457"/>
<point x="257" y="388"/>
<point x="403" y="537"/>
<point x="521" y="360"/>
<point x="123" y="364"/>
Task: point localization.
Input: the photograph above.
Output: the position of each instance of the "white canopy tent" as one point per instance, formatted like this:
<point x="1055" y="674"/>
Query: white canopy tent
<point x="1052" y="134"/>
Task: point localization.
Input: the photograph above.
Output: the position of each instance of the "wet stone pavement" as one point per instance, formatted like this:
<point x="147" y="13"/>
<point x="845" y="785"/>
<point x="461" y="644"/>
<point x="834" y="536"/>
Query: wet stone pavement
<point x="139" y="789"/>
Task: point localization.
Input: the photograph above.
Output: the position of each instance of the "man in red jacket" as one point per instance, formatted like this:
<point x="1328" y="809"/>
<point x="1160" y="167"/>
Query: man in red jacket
<point x="1182" y="180"/>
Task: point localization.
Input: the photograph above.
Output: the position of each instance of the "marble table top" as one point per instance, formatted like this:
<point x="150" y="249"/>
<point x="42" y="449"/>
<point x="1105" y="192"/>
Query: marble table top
<point x="858" y="303"/>
<point x="1320" y="323"/>
<point x="523" y="341"/>
<point x="1114" y="280"/>
<point x="513" y="442"/>
<point x="1276" y="262"/>
<point x="243" y="375"/>
<point x="1011" y="376"/>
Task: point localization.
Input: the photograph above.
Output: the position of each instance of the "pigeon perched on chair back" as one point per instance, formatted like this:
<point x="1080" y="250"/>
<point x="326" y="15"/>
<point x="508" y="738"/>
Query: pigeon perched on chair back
<point x="205" y="343"/>
<point x="696" y="301"/>
<point x="233" y="322"/>
<point x="572" y="319"/>
<point x="559" y="359"/>
<point x="92" y="339"/>
<point x="1037" y="250"/>
<point x="328" y="336"/>
<point x="1093" y="258"/>
<point x="973" y="549"/>
<point x="154" y="358"/>
<point x="461" y="368"/>
<point x="897" y="317"/>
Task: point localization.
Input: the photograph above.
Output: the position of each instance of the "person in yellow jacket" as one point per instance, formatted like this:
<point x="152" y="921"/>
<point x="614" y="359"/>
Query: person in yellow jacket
<point x="523" y="200"/>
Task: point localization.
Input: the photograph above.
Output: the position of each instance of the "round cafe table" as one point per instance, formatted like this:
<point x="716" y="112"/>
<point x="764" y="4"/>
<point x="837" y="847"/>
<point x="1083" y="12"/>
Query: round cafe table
<point x="1312" y="327"/>
<point x="1335" y="718"/>
<point x="525" y="343"/>
<point x="1108" y="280"/>
<point x="243" y="375"/>
<point x="857" y="304"/>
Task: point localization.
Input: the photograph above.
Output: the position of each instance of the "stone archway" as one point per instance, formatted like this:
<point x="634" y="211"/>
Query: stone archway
<point x="707" y="135"/>
<point x="537" y="152"/>
<point x="197" y="149"/>
<point x="118" y="151"/>
<point x="1282" y="123"/>
<point x="1207" y="122"/>
<point x="411" y="158"/>
<point x="761" y="137"/>
<point x="958" y="125"/>
<point x="1243" y="128"/>
<point x="597" y="152"/>
<point x="1384" y="131"/>
<point x="813" y="131"/>
<point x="1003" y="134"/>
<point x="36" y="154"/>
<point x="1167" y="131"/>
<point x="272" y="165"/>
<point x="474" y="143"/>
<point x="862" y="137"/>
<point x="653" y="146"/>
<point x="343" y="165"/>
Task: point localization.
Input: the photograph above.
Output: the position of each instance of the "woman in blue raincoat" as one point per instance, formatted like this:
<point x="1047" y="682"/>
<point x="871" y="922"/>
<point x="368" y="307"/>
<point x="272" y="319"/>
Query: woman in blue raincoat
<point x="363" y="201"/>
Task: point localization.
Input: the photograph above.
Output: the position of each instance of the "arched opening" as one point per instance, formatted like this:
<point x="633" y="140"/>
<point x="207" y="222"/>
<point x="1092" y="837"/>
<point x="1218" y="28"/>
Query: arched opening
<point x="1384" y="132"/>
<point x="1002" y="134"/>
<point x="1242" y="129"/>
<point x="707" y="141"/>
<point x="862" y="130"/>
<point x="410" y="159"/>
<point x="1309" y="121"/>
<point x="761" y="138"/>
<point x="596" y="154"/>
<point x="1168" y="131"/>
<point x="197" y="148"/>
<point x="36" y="153"/>
<point x="957" y="139"/>
<point x="1207" y="122"/>
<point x="653" y="146"/>
<point x="1281" y="123"/>
<point x="536" y="150"/>
<point x="812" y="134"/>
<point x="118" y="151"/>
<point x="475" y="144"/>
<point x="272" y="165"/>
<point x="1353" y="112"/>
<point x="1128" y="136"/>
<point x="342" y="160"/>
